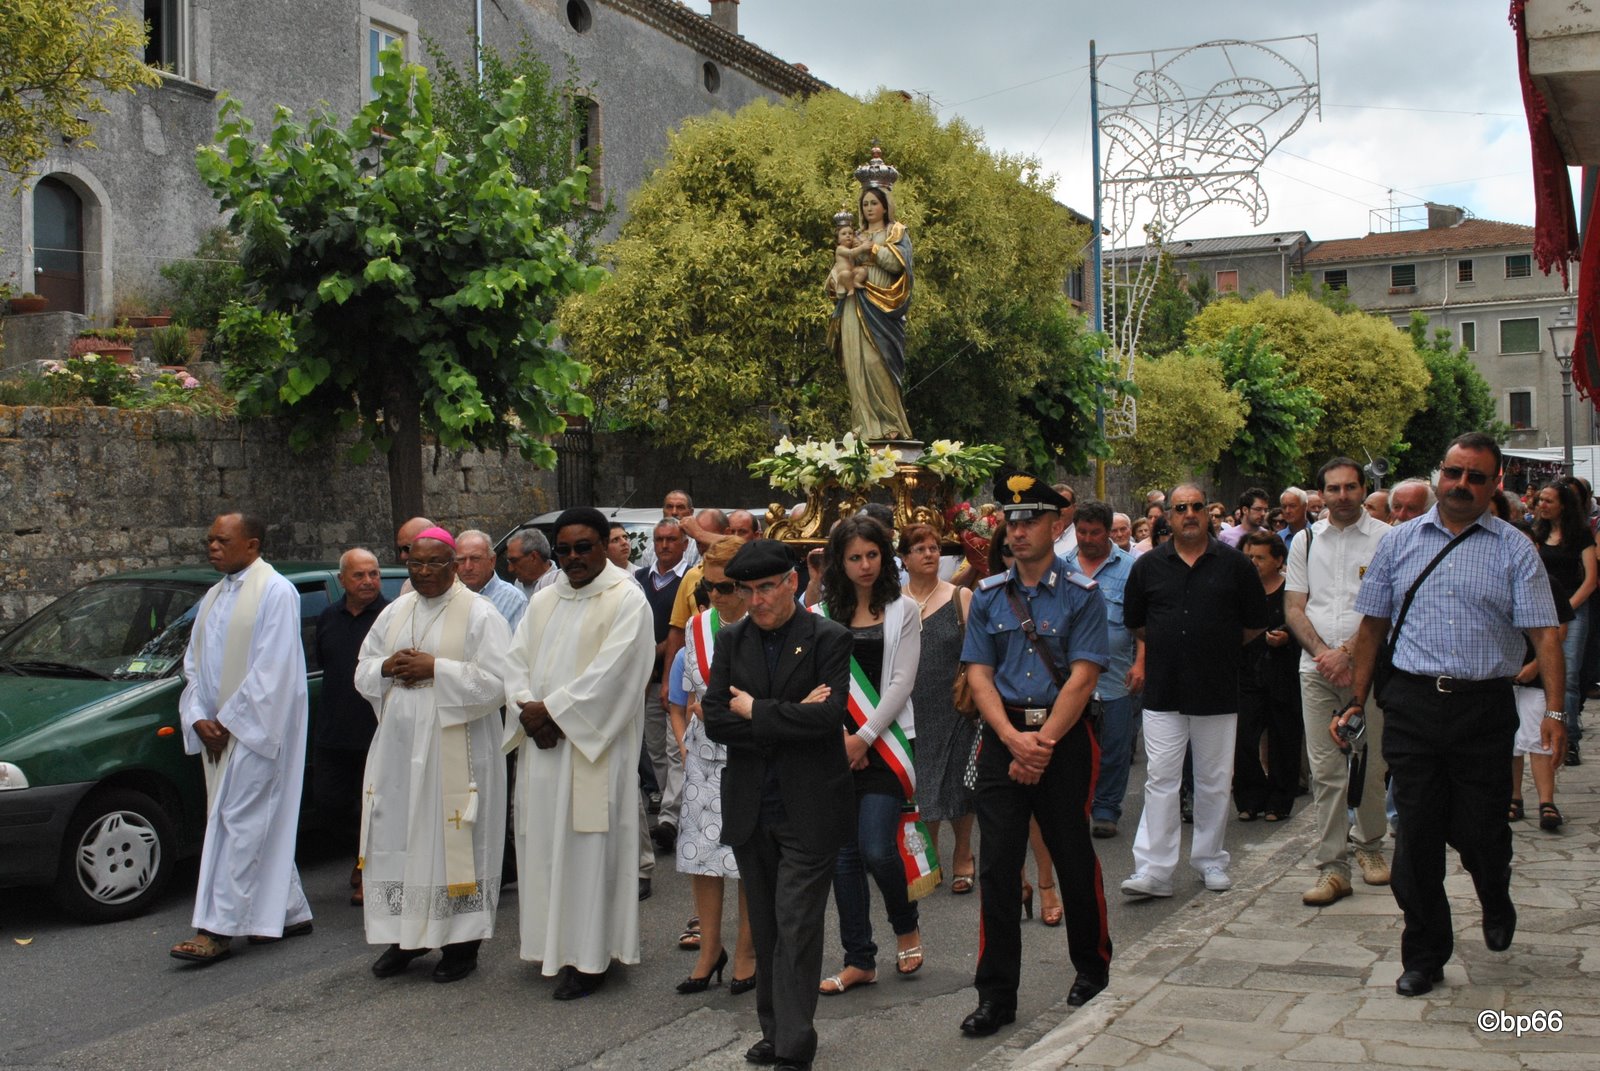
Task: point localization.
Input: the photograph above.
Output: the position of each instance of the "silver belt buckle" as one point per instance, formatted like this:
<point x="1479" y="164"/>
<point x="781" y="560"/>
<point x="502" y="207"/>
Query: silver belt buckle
<point x="1439" y="684"/>
<point x="1033" y="717"/>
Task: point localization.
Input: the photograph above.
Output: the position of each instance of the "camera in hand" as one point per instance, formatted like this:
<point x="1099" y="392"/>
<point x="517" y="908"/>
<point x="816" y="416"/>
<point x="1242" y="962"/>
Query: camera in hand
<point x="1353" y="731"/>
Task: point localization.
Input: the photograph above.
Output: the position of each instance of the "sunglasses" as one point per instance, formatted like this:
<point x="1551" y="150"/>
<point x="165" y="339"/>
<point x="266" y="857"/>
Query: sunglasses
<point x="580" y="548"/>
<point x="1189" y="507"/>
<point x="723" y="587"/>
<point x="1472" y="476"/>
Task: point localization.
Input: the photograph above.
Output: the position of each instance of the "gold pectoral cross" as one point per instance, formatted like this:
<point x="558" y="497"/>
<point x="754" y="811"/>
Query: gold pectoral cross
<point x="456" y="818"/>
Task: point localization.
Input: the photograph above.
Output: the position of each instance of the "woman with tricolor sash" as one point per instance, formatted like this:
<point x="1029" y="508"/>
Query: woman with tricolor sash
<point x="862" y="592"/>
<point x="701" y="853"/>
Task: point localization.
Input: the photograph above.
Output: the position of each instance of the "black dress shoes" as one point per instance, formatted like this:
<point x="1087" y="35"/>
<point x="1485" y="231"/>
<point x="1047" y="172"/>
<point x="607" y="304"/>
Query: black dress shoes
<point x="573" y="983"/>
<point x="762" y="1053"/>
<point x="1416" y="983"/>
<point x="395" y="960"/>
<point x="458" y="961"/>
<point x="794" y="1065"/>
<point x="1498" y="929"/>
<point x="987" y="1019"/>
<point x="1084" y="989"/>
<point x="644" y="888"/>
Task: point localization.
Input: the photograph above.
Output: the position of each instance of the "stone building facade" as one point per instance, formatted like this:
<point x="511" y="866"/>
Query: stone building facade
<point x="92" y="228"/>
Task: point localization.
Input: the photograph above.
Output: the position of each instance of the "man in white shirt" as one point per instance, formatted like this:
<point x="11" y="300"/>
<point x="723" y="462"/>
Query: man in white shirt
<point x="1324" y="575"/>
<point x="1067" y="538"/>
<point x="528" y="558"/>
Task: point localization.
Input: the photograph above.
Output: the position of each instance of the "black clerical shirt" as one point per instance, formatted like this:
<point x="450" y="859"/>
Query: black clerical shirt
<point x="344" y="717"/>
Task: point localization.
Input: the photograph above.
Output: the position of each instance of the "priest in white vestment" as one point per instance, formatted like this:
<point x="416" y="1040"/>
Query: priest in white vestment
<point x="580" y="660"/>
<point x="434" y="802"/>
<point x="243" y="710"/>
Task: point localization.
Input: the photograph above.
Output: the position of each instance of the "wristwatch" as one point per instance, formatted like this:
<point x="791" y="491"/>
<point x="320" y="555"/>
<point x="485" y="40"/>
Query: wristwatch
<point x="1556" y="714"/>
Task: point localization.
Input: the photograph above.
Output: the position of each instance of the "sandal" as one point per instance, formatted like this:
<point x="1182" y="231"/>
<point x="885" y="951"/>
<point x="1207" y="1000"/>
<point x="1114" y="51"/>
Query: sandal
<point x="1050" y="916"/>
<point x="914" y="952"/>
<point x="1549" y="817"/>
<point x="1515" y="813"/>
<point x="961" y="884"/>
<point x="1272" y="816"/>
<point x="833" y="985"/>
<point x="299" y="929"/>
<point x="203" y="948"/>
<point x="689" y="939"/>
<point x="1249" y="815"/>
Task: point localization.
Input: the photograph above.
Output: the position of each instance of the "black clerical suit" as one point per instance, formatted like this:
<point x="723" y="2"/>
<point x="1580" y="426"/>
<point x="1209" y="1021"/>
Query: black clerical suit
<point x="788" y="804"/>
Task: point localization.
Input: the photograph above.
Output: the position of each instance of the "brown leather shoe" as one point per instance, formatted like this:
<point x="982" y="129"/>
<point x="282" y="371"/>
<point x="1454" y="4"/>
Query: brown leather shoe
<point x="1329" y="889"/>
<point x="1374" y="868"/>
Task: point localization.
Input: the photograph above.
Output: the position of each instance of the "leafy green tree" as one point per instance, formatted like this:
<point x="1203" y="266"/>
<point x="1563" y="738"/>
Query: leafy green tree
<point x="396" y="279"/>
<point x="711" y="334"/>
<point x="1187" y="418"/>
<point x="57" y="60"/>
<point x="1457" y="401"/>
<point x="1280" y="410"/>
<point x="1059" y="425"/>
<point x="1166" y="318"/>
<point x="547" y="153"/>
<point x="204" y="283"/>
<point x="1368" y="375"/>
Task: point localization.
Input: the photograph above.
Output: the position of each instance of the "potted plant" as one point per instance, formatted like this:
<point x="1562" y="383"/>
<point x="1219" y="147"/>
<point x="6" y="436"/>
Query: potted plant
<point x="113" y="342"/>
<point x="27" y="302"/>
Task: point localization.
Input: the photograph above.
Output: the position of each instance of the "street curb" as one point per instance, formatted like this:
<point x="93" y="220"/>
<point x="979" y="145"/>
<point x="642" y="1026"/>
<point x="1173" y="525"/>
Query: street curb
<point x="1051" y="1039"/>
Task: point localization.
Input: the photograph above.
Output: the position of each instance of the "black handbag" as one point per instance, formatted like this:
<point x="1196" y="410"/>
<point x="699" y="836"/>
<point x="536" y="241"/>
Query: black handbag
<point x="1383" y="664"/>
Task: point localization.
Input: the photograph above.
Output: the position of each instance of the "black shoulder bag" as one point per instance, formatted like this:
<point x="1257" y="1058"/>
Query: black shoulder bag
<point x="1383" y="665"/>
<point x="1025" y="620"/>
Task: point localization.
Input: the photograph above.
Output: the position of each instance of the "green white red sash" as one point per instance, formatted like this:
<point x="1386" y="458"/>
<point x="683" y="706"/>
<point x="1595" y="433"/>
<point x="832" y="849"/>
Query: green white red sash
<point x="704" y="628"/>
<point x="894" y="747"/>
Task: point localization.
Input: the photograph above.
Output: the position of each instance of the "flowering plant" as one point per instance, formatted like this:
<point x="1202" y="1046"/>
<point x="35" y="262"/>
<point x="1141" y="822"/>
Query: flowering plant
<point x="96" y="379"/>
<point x="849" y="462"/>
<point x="975" y="528"/>
<point x="964" y="465"/>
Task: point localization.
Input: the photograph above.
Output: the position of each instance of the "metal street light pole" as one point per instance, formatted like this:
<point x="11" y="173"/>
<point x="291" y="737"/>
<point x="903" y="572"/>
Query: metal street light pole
<point x="1563" y="334"/>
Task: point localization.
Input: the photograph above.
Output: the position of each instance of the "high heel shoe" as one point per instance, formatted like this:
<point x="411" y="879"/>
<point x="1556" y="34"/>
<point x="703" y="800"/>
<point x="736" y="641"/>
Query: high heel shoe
<point x="1027" y="900"/>
<point x="741" y="985"/>
<point x="1050" y="916"/>
<point x="692" y="984"/>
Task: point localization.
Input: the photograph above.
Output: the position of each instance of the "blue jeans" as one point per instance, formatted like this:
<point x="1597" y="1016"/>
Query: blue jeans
<point x="1572" y="649"/>
<point x="1117" y="727"/>
<point x="877" y="825"/>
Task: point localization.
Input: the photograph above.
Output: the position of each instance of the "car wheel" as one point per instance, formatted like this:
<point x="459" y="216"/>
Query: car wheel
<point x="116" y="857"/>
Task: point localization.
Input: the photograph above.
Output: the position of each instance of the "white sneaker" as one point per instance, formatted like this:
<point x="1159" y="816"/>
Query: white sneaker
<point x="1217" y="879"/>
<point x="1141" y="884"/>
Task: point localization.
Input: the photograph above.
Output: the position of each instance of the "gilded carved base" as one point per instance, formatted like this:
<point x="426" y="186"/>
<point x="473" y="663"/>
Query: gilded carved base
<point x="917" y="495"/>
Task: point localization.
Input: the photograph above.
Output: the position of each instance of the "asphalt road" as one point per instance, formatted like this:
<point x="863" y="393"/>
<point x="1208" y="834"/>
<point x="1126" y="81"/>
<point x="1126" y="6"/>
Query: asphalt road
<point x="76" y="996"/>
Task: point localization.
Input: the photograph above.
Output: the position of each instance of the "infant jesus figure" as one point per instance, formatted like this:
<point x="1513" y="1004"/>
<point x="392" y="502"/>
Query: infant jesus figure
<point x="848" y="275"/>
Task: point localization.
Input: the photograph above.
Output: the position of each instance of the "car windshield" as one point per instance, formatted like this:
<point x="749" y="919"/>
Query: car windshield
<point x="111" y="629"/>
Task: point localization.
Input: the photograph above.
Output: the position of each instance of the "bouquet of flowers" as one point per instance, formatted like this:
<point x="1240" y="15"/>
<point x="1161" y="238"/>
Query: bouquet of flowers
<point x="975" y="528"/>
<point x="848" y="462"/>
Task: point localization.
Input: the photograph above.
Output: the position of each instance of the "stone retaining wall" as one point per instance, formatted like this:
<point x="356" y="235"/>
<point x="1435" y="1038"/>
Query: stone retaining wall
<point x="89" y="491"/>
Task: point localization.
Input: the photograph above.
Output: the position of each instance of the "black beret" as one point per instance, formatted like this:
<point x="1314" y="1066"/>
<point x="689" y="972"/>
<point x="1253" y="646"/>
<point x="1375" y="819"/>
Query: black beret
<point x="759" y="559"/>
<point x="586" y="517"/>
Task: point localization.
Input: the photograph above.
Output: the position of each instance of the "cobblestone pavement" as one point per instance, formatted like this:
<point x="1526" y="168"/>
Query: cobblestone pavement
<point x="1252" y="978"/>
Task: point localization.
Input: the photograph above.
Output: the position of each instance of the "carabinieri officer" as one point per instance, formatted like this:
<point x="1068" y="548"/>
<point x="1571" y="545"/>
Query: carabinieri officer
<point x="1036" y="643"/>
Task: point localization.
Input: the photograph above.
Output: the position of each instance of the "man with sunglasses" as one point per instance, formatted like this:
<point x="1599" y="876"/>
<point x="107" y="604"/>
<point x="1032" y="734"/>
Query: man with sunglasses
<point x="1195" y="602"/>
<point x="779" y="680"/>
<point x="575" y="692"/>
<point x="1450" y="716"/>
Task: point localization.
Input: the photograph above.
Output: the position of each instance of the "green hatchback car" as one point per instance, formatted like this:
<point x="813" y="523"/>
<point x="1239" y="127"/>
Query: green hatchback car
<point x="97" y="796"/>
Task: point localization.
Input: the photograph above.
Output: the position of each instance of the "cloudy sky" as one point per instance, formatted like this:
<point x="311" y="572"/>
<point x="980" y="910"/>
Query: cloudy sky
<point x="1419" y="97"/>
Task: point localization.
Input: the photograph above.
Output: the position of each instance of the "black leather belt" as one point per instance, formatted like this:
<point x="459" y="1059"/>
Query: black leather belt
<point x="1027" y="717"/>
<point x="1456" y="685"/>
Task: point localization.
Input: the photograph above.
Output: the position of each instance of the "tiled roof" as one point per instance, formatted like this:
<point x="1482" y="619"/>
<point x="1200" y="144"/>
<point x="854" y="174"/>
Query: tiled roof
<point x="1204" y="247"/>
<point x="696" y="30"/>
<point x="1468" y="234"/>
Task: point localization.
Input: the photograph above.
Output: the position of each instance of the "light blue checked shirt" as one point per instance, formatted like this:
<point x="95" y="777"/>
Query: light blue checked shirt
<point x="506" y="598"/>
<point x="1468" y="616"/>
<point x="1113" y="581"/>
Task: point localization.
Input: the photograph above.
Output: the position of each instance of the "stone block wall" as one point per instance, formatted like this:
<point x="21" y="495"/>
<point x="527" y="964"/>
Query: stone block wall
<point x="85" y="492"/>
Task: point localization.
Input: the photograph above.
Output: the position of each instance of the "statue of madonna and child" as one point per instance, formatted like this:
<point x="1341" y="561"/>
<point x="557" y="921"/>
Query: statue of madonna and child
<point x="870" y="283"/>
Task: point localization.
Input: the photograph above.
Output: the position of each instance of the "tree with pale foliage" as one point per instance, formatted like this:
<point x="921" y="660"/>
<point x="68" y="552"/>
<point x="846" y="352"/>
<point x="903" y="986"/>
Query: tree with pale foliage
<point x="1369" y="376"/>
<point x="1187" y="418"/>
<point x="711" y="335"/>
<point x="57" y="60"/>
